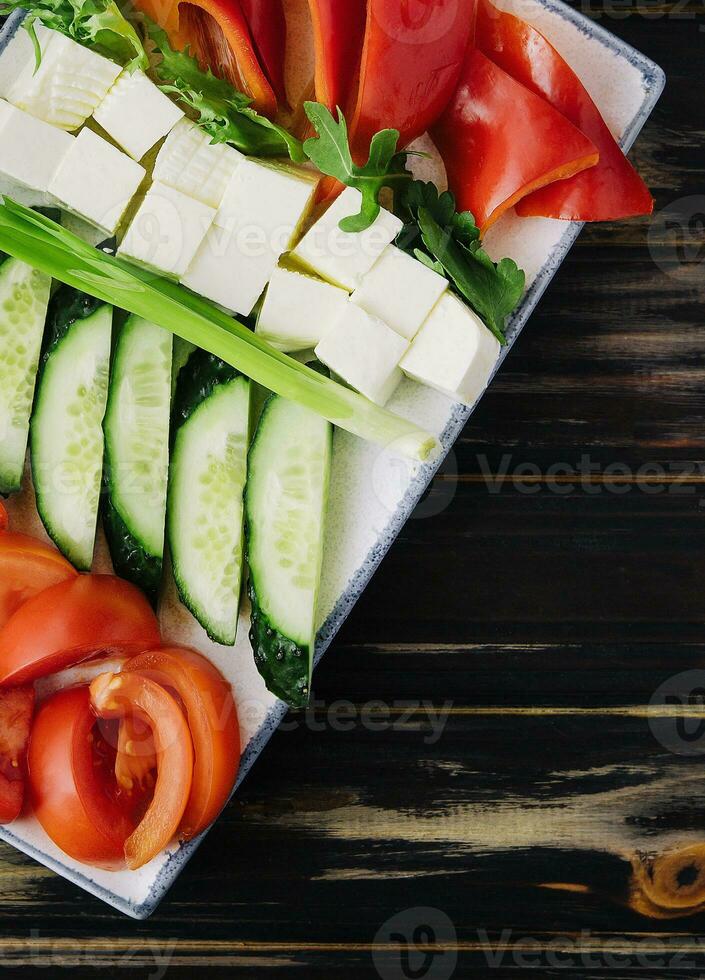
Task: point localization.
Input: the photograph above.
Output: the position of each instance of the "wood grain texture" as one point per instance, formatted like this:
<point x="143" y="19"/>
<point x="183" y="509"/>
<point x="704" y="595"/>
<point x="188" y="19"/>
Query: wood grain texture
<point x="485" y="738"/>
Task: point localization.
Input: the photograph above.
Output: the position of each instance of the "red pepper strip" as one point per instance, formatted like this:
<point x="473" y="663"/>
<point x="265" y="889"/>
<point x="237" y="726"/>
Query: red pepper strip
<point x="612" y="189"/>
<point x="205" y="25"/>
<point x="411" y="62"/>
<point x="338" y="34"/>
<point x="499" y="141"/>
<point x="267" y="24"/>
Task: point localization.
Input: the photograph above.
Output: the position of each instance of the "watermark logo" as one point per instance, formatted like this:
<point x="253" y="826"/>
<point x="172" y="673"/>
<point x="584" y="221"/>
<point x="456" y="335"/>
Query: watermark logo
<point x="681" y="726"/>
<point x="677" y="236"/>
<point x="416" y="944"/>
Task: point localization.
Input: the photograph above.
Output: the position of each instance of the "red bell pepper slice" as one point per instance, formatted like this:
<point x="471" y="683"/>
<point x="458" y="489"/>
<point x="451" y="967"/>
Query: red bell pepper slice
<point x="204" y="24"/>
<point x="338" y="34"/>
<point x="411" y="62"/>
<point x="609" y="191"/>
<point x="500" y="142"/>
<point x="267" y="24"/>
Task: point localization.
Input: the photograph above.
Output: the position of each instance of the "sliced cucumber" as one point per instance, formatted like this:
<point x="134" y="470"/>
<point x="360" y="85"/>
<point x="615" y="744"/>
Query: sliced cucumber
<point x="66" y="434"/>
<point x="137" y="451"/>
<point x="24" y="296"/>
<point x="285" y="505"/>
<point x="206" y="482"/>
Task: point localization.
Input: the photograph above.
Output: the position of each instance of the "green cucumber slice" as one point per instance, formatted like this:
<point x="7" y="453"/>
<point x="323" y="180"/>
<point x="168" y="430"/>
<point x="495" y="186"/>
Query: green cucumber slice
<point x="66" y="434"/>
<point x="137" y="451"/>
<point x="206" y="482"/>
<point x="24" y="297"/>
<point x="285" y="506"/>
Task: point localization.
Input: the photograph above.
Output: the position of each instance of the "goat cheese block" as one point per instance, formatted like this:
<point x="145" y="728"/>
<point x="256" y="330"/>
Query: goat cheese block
<point x="261" y="211"/>
<point x="453" y="351"/>
<point x="167" y="230"/>
<point x="190" y="163"/>
<point x="343" y="257"/>
<point x="298" y="310"/>
<point x="364" y="352"/>
<point x="96" y="181"/>
<point x="30" y="150"/>
<point x="136" y="114"/>
<point x="70" y="82"/>
<point x="400" y="290"/>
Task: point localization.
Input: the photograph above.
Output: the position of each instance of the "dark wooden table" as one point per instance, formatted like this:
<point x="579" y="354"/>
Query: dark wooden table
<point x="492" y="765"/>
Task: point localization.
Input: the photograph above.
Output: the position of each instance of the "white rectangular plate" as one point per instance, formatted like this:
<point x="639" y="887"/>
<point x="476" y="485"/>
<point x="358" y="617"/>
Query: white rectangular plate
<point x="373" y="492"/>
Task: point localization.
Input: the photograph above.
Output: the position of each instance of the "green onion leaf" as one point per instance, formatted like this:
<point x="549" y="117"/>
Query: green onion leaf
<point x="45" y="245"/>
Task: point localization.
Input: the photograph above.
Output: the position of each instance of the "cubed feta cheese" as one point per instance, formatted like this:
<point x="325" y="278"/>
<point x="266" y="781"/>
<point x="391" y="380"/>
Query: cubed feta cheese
<point x="262" y="208"/>
<point x="167" y="230"/>
<point x="453" y="351"/>
<point x="68" y="85"/>
<point x="364" y="352"/>
<point x="400" y="290"/>
<point x="344" y="257"/>
<point x="298" y="310"/>
<point x="136" y="114"/>
<point x="96" y="181"/>
<point x="30" y="150"/>
<point x="190" y="163"/>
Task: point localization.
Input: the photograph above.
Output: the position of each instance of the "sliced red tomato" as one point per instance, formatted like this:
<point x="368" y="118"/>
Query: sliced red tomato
<point x="16" y="707"/>
<point x="136" y="758"/>
<point x="79" y="618"/>
<point x="212" y="717"/>
<point x="73" y="790"/>
<point x="411" y="61"/>
<point x="4" y="519"/>
<point x="499" y="141"/>
<point x="267" y="24"/>
<point x="27" y="566"/>
<point x="118" y="695"/>
<point x="606" y="192"/>
<point x="338" y="33"/>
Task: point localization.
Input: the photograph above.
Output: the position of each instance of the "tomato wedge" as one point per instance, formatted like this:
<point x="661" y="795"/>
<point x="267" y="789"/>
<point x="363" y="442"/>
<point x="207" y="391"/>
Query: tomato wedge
<point x="212" y="717"/>
<point x="612" y="189"/>
<point x="338" y="33"/>
<point x="16" y="707"/>
<point x="499" y="141"/>
<point x="267" y="24"/>
<point x="117" y="695"/>
<point x="136" y="758"/>
<point x="27" y="566"/>
<point x="411" y="61"/>
<point x="72" y="621"/>
<point x="72" y="788"/>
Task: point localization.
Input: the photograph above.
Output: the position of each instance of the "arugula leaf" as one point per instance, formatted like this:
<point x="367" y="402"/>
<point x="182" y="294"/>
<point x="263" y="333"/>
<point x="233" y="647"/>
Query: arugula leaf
<point x="493" y="290"/>
<point x="98" y="24"/>
<point x="223" y="112"/>
<point x="330" y="152"/>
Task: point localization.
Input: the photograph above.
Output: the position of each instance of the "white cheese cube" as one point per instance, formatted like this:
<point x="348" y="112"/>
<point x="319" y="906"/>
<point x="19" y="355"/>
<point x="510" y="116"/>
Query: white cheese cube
<point x="364" y="352"/>
<point x="68" y="85"/>
<point x="16" y="55"/>
<point x="453" y="351"/>
<point x="344" y="257"/>
<point x="261" y="211"/>
<point x="298" y="310"/>
<point x="400" y="290"/>
<point x="30" y="150"/>
<point x="96" y="181"/>
<point x="136" y="114"/>
<point x="190" y="163"/>
<point x="167" y="230"/>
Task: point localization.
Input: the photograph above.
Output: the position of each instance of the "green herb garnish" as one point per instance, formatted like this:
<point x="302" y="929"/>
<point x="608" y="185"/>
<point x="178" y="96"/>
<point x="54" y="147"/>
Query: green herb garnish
<point x="330" y="152"/>
<point x="223" y="112"/>
<point x="98" y="24"/>
<point x="448" y="241"/>
<point x="46" y="246"/>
